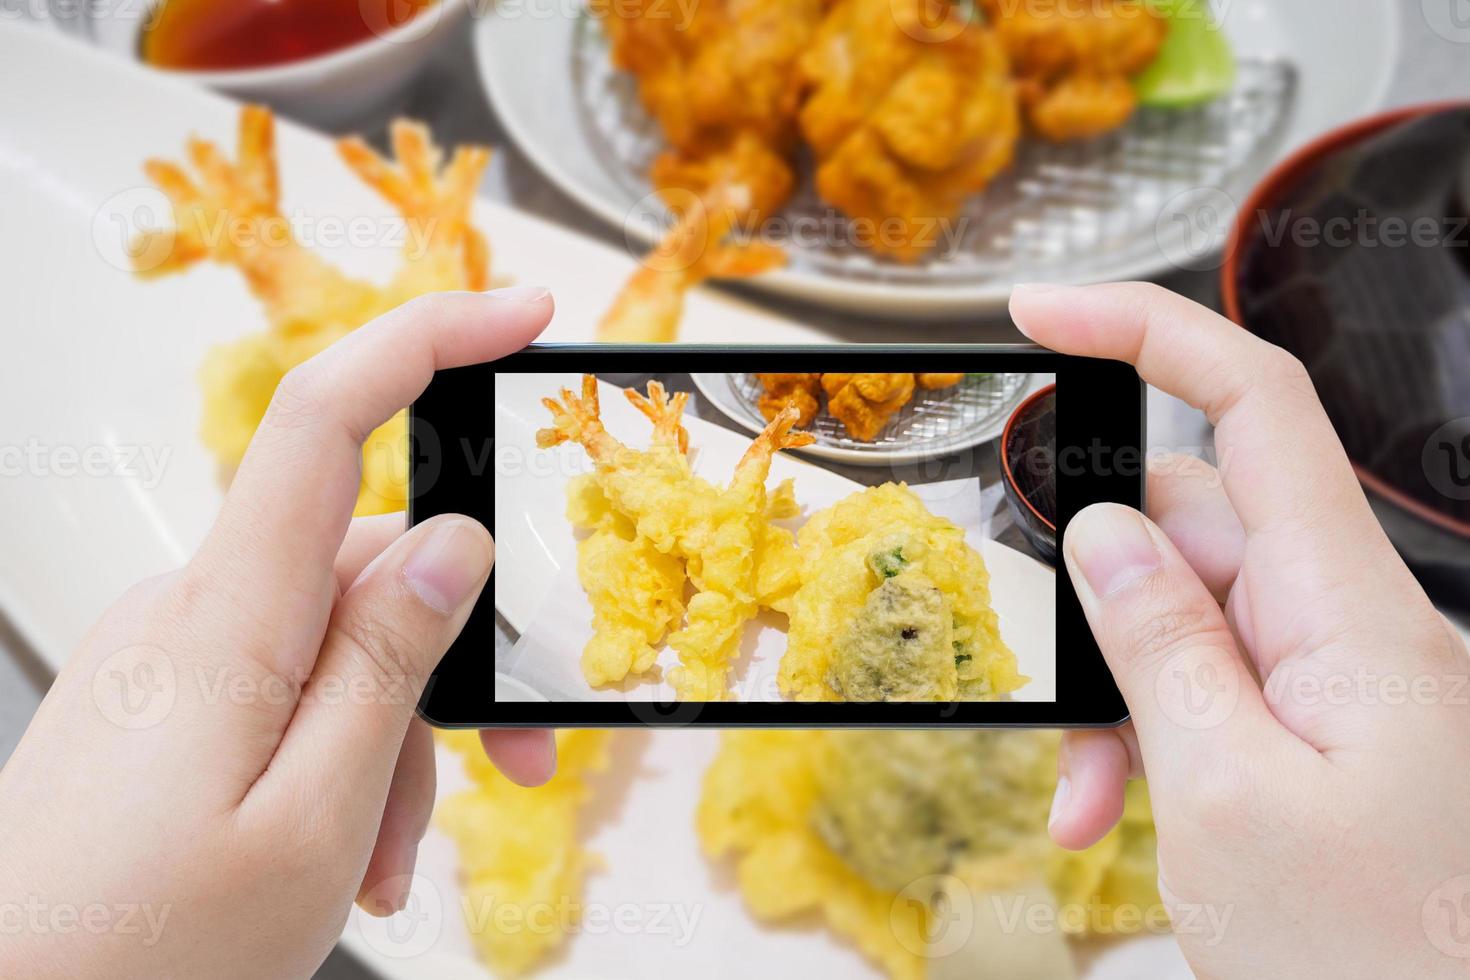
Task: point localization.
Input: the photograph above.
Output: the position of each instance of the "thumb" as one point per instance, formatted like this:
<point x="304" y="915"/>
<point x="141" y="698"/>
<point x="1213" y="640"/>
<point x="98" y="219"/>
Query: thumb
<point x="1194" y="703"/>
<point x="386" y="635"/>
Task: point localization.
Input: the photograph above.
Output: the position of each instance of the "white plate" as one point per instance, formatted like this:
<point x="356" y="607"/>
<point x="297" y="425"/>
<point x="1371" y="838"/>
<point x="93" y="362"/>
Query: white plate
<point x="97" y="360"/>
<point x="536" y="588"/>
<point x="933" y="423"/>
<point x="1343" y="64"/>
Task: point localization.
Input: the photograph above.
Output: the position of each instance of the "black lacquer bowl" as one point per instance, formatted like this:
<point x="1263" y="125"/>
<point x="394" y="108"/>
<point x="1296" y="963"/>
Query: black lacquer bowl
<point x="1355" y="256"/>
<point x="1028" y="457"/>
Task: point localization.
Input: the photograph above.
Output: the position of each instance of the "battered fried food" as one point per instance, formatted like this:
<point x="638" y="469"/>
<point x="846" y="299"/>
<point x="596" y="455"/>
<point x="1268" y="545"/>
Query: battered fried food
<point x="851" y="825"/>
<point x="934" y="382"/>
<point x="1076" y="60"/>
<point x="703" y="244"/>
<point x="724" y="565"/>
<point x="231" y="214"/>
<point x="736" y="559"/>
<point x="893" y="606"/>
<point x="721" y="84"/>
<point x="520" y="849"/>
<point x="720" y="76"/>
<point x="865" y="402"/>
<point x="911" y="109"/>
<point x="798" y="390"/>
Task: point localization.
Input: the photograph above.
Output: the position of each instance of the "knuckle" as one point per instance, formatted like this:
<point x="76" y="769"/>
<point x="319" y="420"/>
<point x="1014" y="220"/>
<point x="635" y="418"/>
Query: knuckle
<point x="1284" y="366"/>
<point x="1156" y="627"/>
<point x="298" y="397"/>
<point x="383" y="654"/>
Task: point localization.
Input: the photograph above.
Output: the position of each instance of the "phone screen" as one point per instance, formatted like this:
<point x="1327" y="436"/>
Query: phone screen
<point x="796" y="536"/>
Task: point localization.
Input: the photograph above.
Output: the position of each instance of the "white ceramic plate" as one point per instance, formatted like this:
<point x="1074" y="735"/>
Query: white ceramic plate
<point x="1342" y="65"/>
<point x="100" y="362"/>
<point x="933" y="423"/>
<point x="535" y="583"/>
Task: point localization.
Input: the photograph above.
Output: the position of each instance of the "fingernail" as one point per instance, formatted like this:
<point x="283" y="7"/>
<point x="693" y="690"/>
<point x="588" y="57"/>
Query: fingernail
<point x="1059" y="801"/>
<point x="520" y="294"/>
<point x="447" y="566"/>
<point x="1112" y="548"/>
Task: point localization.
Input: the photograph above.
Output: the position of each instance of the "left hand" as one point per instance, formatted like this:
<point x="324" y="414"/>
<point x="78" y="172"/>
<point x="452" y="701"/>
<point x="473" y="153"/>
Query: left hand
<point x="232" y="753"/>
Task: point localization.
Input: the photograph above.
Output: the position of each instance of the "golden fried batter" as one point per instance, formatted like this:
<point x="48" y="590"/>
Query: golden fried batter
<point x="231" y="214"/>
<point x="720" y="73"/>
<point x="911" y="110"/>
<point x="737" y="560"/>
<point x="850" y="825"/>
<point x="780" y="390"/>
<point x="865" y="402"/>
<point x="934" y="382"/>
<point x="1076" y="59"/>
<point x="701" y="245"/>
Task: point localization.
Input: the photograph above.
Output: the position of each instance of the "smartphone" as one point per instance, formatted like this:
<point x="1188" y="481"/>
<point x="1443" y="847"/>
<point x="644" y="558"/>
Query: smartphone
<point x="880" y="555"/>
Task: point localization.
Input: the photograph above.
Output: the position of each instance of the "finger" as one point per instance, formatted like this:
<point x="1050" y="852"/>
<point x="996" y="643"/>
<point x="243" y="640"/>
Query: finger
<point x="273" y="546"/>
<point x="1310" y="532"/>
<point x="1186" y="499"/>
<point x="526" y="756"/>
<point x="1193" y="699"/>
<point x="1093" y="767"/>
<point x="385" y="884"/>
<point x="386" y="635"/>
<point x="366" y="539"/>
<point x="1286" y="463"/>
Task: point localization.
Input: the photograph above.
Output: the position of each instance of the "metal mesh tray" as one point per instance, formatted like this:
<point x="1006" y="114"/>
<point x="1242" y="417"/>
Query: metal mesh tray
<point x="1060" y="210"/>
<point x="933" y="423"/>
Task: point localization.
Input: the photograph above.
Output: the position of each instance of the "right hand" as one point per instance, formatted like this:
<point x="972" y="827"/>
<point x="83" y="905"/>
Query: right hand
<point x="1316" y="816"/>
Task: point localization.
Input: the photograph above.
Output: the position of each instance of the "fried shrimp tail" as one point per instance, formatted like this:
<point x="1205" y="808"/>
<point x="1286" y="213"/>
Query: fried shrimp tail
<point x="228" y="211"/>
<point x="664" y="412"/>
<point x="578" y="419"/>
<point x="700" y="246"/>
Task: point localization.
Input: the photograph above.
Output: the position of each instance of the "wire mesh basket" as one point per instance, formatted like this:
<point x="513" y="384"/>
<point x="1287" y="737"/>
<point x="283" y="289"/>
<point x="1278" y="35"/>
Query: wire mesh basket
<point x="933" y="423"/>
<point x="1061" y="210"/>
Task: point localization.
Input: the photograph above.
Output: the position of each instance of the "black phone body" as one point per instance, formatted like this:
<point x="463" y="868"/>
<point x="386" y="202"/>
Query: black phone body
<point x="456" y="466"/>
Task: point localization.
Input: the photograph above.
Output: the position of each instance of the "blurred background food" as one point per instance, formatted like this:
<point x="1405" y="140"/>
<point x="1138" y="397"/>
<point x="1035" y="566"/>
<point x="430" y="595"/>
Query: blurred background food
<point x="852" y="825"/>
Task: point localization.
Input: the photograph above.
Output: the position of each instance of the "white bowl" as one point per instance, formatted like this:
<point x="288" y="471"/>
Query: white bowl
<point x="329" y="90"/>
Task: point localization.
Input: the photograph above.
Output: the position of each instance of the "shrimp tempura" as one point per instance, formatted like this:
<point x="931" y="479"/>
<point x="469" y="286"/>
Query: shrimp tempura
<point x="738" y="561"/>
<point x="724" y="565"/>
<point x="702" y="245"/>
<point x="231" y="213"/>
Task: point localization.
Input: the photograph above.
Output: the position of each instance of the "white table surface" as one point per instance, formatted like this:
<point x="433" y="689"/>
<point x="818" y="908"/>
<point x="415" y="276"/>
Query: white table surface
<point x="447" y="96"/>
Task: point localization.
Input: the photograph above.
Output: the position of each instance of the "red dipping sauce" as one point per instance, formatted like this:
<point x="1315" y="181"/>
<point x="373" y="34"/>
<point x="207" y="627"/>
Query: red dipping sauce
<point x="210" y="35"/>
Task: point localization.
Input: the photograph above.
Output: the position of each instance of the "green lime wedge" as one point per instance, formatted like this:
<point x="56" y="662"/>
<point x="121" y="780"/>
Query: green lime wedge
<point x="1195" y="65"/>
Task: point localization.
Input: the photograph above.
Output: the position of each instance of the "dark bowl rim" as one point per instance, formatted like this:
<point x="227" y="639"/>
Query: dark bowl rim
<point x="1005" y="456"/>
<point x="1285" y="175"/>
